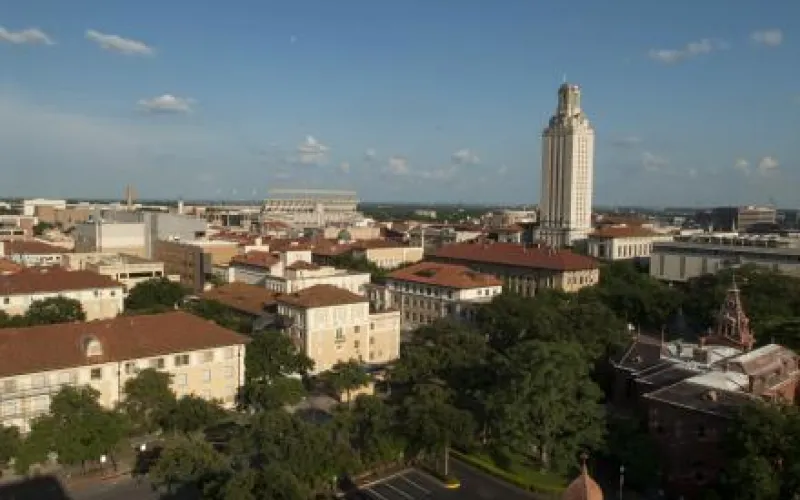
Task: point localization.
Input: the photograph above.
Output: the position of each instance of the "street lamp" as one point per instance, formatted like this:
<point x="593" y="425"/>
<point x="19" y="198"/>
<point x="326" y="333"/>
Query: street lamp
<point x="621" y="480"/>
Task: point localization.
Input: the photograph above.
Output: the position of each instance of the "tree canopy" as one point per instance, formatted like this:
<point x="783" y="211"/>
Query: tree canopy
<point x="155" y="295"/>
<point x="48" y="311"/>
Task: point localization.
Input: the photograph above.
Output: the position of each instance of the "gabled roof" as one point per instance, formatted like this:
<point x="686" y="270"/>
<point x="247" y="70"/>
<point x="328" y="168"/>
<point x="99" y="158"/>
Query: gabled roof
<point x="249" y="299"/>
<point x="51" y="280"/>
<point x="256" y="258"/>
<point x="54" y="347"/>
<point x="444" y="275"/>
<point x="8" y="267"/>
<point x="320" y="296"/>
<point x="516" y="255"/>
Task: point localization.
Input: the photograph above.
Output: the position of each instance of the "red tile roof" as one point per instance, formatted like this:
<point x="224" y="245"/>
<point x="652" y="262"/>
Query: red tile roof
<point x="445" y="275"/>
<point x="286" y="245"/>
<point x="301" y="265"/>
<point x="51" y="280"/>
<point x="330" y="248"/>
<point x="55" y="347"/>
<point x="376" y="243"/>
<point x="21" y="247"/>
<point x="622" y="232"/>
<point x="515" y="255"/>
<point x="320" y="296"/>
<point x="8" y="267"/>
<point x="256" y="258"/>
<point x="242" y="297"/>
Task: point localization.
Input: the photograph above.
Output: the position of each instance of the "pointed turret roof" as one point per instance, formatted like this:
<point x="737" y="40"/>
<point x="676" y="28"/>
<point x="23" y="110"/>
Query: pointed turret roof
<point x="583" y="487"/>
<point x="732" y="326"/>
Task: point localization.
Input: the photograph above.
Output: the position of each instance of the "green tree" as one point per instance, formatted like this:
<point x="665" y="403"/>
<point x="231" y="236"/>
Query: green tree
<point x="192" y="414"/>
<point x="432" y="424"/>
<point x="273" y="364"/>
<point x="346" y="376"/>
<point x="548" y="403"/>
<point x="10" y="444"/>
<point x="155" y="295"/>
<point x="42" y="227"/>
<point x="371" y="429"/>
<point x="54" y="310"/>
<point x="188" y="462"/>
<point x="148" y="397"/>
<point x="783" y="331"/>
<point x="78" y="428"/>
<point x="219" y="314"/>
<point x="629" y="444"/>
<point x="762" y="447"/>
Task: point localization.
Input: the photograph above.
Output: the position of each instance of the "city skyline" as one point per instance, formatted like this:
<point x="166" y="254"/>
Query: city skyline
<point x="412" y="101"/>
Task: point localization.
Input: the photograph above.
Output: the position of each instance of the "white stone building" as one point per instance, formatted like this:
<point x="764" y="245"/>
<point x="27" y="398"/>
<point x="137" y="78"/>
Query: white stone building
<point x="565" y="204"/>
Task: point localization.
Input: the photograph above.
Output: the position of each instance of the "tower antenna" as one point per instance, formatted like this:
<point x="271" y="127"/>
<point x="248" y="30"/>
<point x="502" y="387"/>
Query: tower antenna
<point x="564" y="78"/>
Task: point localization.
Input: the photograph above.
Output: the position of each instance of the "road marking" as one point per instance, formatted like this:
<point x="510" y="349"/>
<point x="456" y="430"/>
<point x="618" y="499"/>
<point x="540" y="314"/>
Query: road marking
<point x="415" y="485"/>
<point x="375" y="493"/>
<point x="399" y="491"/>
<point x="386" y="478"/>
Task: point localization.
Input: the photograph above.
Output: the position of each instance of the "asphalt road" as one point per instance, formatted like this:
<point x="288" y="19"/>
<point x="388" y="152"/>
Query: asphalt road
<point x="415" y="485"/>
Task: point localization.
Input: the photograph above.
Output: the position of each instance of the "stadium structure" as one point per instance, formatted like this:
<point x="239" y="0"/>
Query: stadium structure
<point x="311" y="208"/>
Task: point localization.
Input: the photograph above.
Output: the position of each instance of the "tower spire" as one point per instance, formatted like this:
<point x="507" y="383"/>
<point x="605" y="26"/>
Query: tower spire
<point x="732" y="325"/>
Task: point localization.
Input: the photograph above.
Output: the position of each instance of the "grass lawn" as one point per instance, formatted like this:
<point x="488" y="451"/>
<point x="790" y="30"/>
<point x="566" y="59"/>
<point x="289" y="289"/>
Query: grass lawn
<point x="517" y="471"/>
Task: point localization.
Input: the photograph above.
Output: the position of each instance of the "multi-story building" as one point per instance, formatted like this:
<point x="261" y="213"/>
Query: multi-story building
<point x="623" y="242"/>
<point x="689" y="392"/>
<point x="428" y="291"/>
<point x="31" y="253"/>
<point x="311" y="208"/>
<point x="736" y="218"/>
<point x="386" y="254"/>
<point x="29" y="206"/>
<point x="434" y="236"/>
<point x="691" y="256"/>
<point x="567" y="172"/>
<point x="253" y="267"/>
<point x="38" y="361"/>
<point x="194" y="261"/>
<point x="524" y="269"/>
<point x="333" y="325"/>
<point x="99" y="235"/>
<point x="14" y="227"/>
<point x="129" y="270"/>
<point x="100" y="296"/>
<point x="300" y="275"/>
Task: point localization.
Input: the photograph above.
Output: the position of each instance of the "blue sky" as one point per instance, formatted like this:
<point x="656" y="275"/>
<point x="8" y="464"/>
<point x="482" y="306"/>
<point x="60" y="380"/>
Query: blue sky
<point x="414" y="100"/>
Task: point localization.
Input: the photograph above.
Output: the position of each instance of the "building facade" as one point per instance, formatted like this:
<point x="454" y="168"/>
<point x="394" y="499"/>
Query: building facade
<point x="110" y="237"/>
<point x="691" y="256"/>
<point x="524" y="269"/>
<point x="300" y="275"/>
<point x="100" y="296"/>
<point x="311" y="208"/>
<point x="194" y="261"/>
<point x="127" y="269"/>
<point x="621" y="242"/>
<point x="38" y="361"/>
<point x="333" y="325"/>
<point x="428" y="291"/>
<point x="30" y="253"/>
<point x="567" y="172"/>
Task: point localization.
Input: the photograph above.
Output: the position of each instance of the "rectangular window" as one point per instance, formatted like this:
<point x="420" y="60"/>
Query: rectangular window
<point x="10" y="386"/>
<point x="181" y="360"/>
<point x="356" y="329"/>
<point x="206" y="375"/>
<point x="208" y="356"/>
<point x="339" y="335"/>
<point x="157" y="363"/>
<point x="130" y="368"/>
<point x="228" y="372"/>
<point x="372" y="341"/>
<point x="6" y="300"/>
<point x="180" y="380"/>
<point x="96" y="374"/>
<point x="356" y="344"/>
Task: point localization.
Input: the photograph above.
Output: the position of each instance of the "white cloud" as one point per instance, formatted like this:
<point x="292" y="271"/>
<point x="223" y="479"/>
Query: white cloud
<point x="369" y="154"/>
<point x="652" y="162"/>
<point x="119" y="44"/>
<point x="167" y="103"/>
<point x="311" y="152"/>
<point x="692" y="172"/>
<point x="770" y="37"/>
<point x="503" y="170"/>
<point x="767" y="165"/>
<point x="344" y="167"/>
<point x="398" y="165"/>
<point x="690" y="50"/>
<point x="465" y="157"/>
<point x="440" y="174"/>
<point x="742" y="165"/>
<point x="29" y="36"/>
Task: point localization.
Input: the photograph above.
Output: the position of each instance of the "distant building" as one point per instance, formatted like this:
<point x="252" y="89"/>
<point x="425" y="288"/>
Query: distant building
<point x="31" y="253"/>
<point x="38" y="361"/>
<point x="428" y="291"/>
<point x="688" y="257"/>
<point x="301" y="275"/>
<point x="565" y="204"/>
<point x="689" y="392"/>
<point x="111" y="237"/>
<point x="622" y="242"/>
<point x="129" y="270"/>
<point x="249" y="301"/>
<point x="524" y="269"/>
<point x="736" y="218"/>
<point x="194" y="260"/>
<point x="100" y="296"/>
<point x="332" y="325"/>
<point x="311" y="208"/>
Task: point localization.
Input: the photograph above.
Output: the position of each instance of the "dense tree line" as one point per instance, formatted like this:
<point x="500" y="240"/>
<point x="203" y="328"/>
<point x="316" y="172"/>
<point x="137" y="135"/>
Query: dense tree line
<point x="48" y="311"/>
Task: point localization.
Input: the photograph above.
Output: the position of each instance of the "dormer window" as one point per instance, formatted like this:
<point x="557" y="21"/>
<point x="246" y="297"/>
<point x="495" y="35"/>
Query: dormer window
<point x="92" y="346"/>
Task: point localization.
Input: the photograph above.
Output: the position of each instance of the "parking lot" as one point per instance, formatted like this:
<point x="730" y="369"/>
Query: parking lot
<point x="407" y="485"/>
